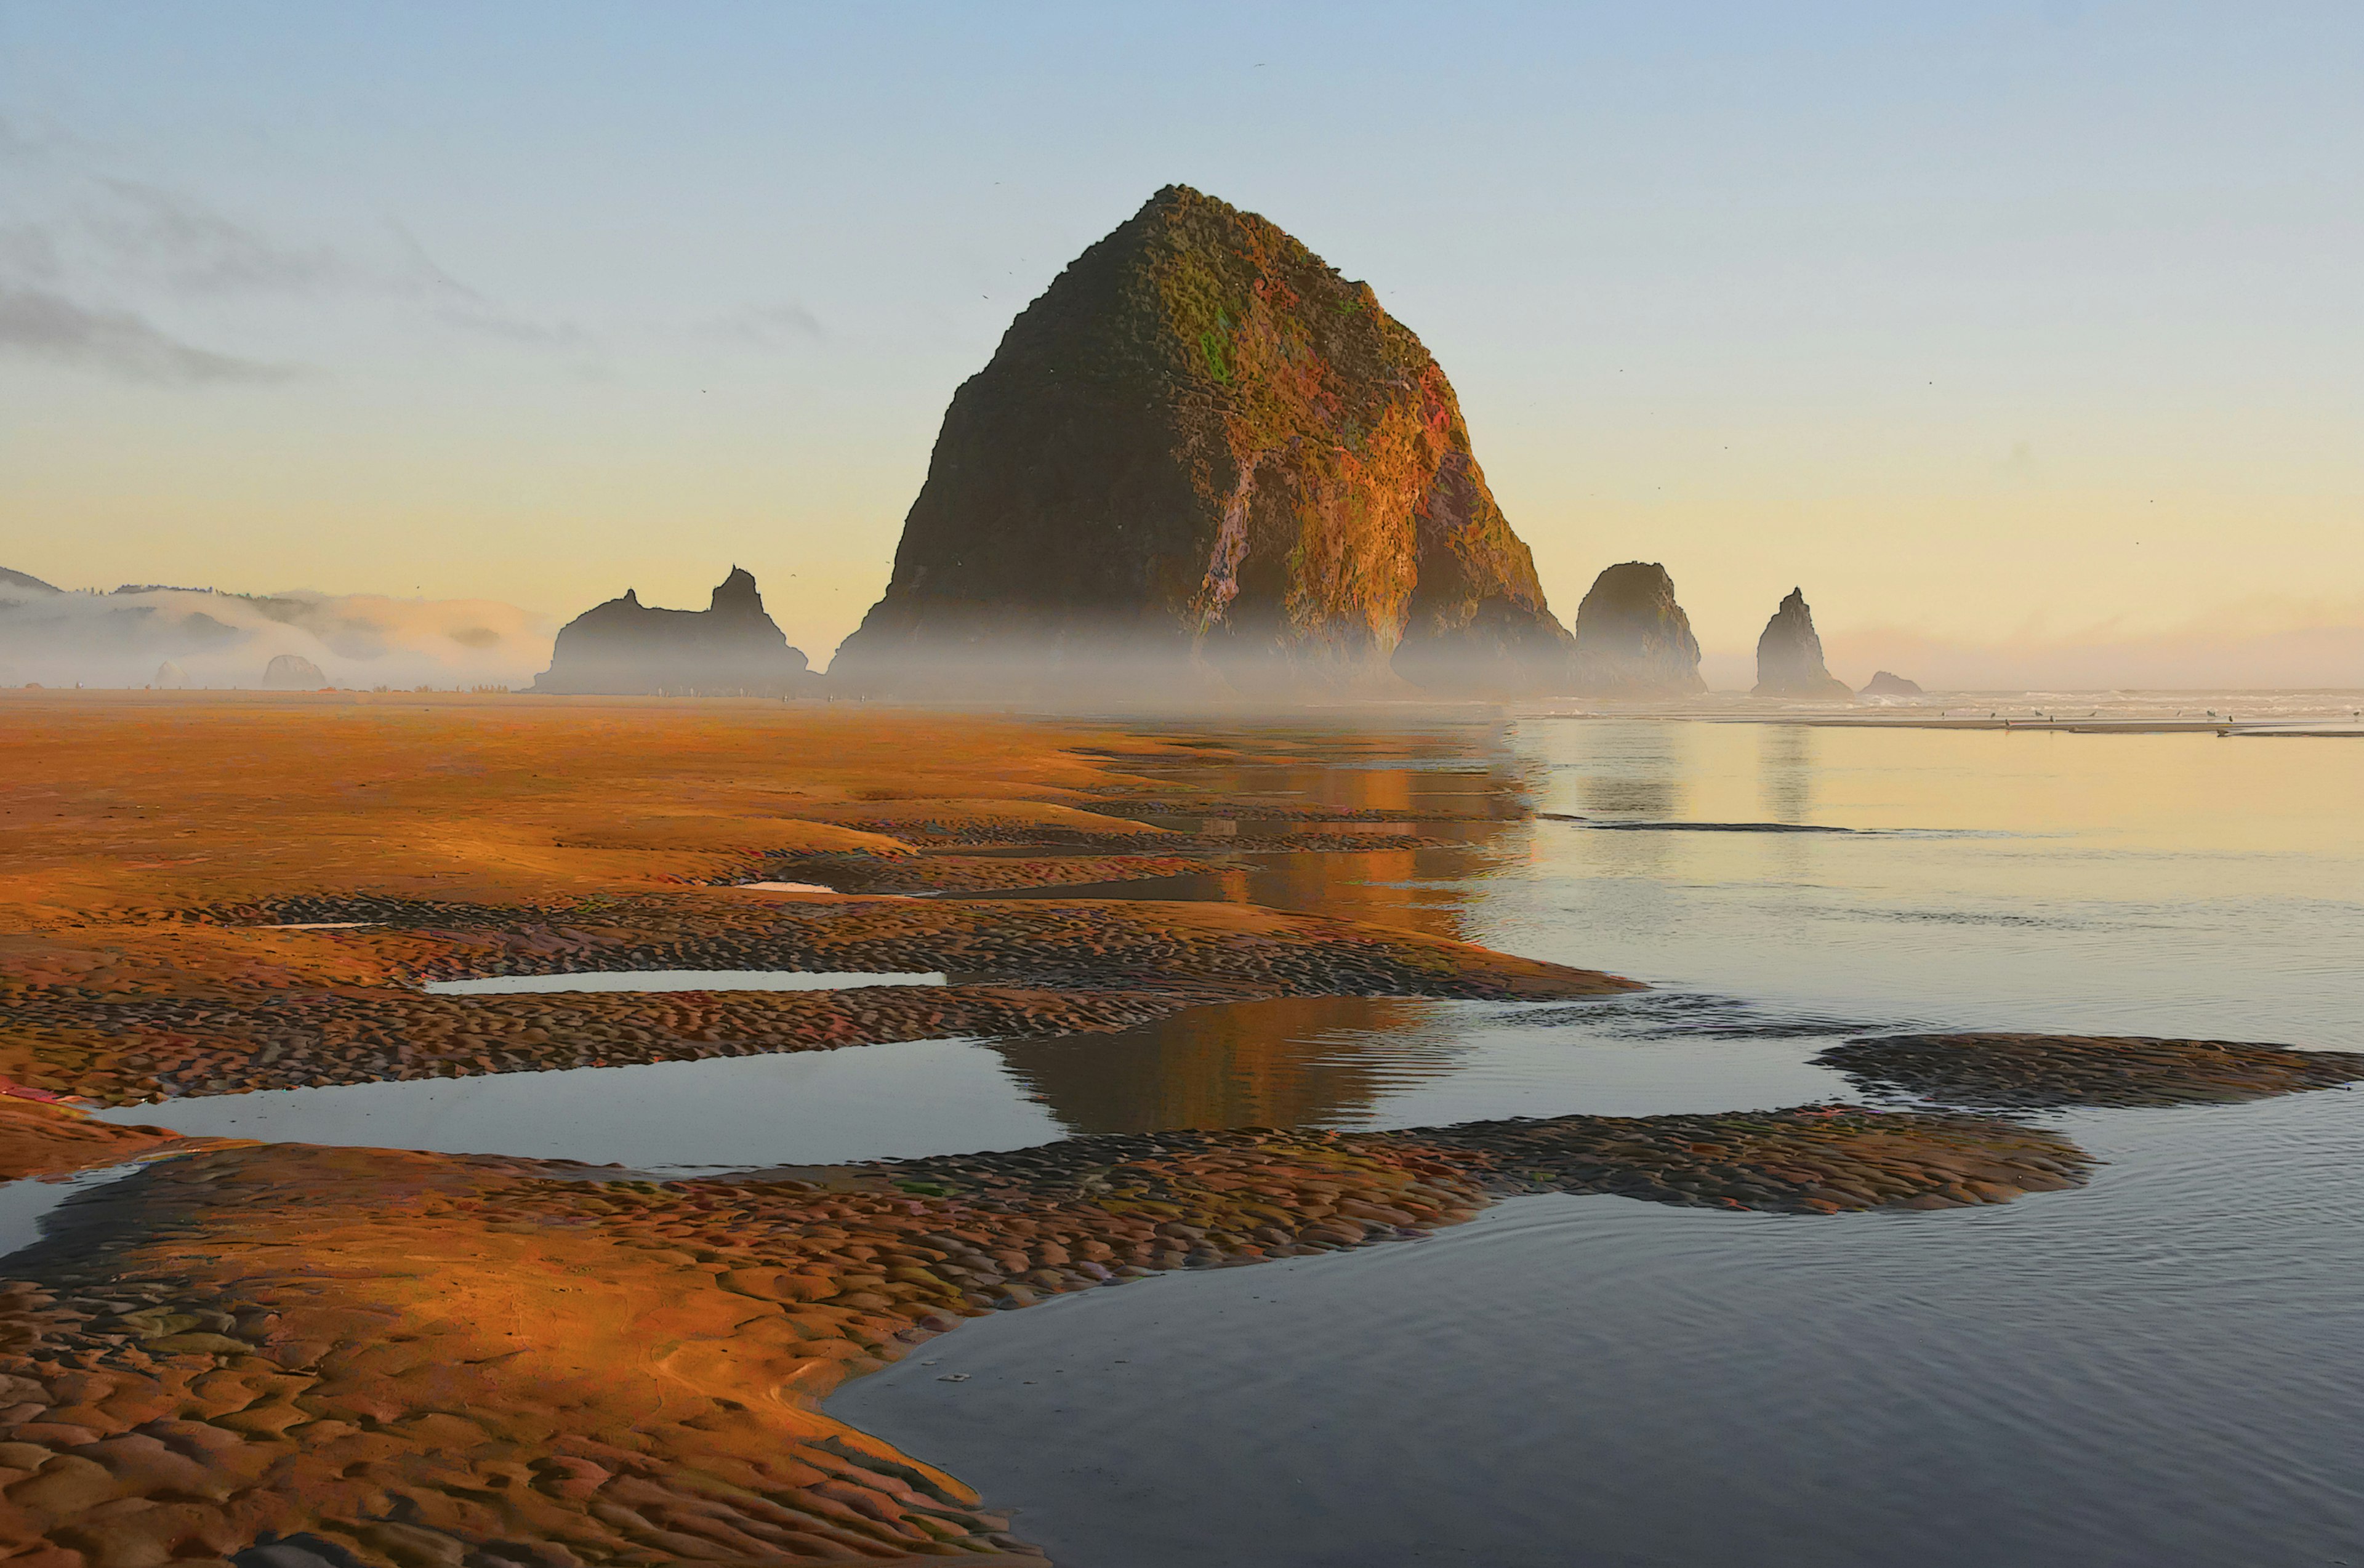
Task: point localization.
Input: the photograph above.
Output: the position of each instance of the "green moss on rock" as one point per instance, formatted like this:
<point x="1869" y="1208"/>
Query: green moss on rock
<point x="1203" y="448"/>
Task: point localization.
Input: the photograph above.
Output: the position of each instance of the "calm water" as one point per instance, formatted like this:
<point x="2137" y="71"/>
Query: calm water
<point x="2163" y="1368"/>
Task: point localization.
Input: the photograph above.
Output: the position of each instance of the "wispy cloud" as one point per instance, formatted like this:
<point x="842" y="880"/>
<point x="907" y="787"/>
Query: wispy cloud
<point x="200" y="250"/>
<point x="455" y="303"/>
<point x="28" y="254"/>
<point x="41" y="324"/>
<point x="769" y="326"/>
<point x="87" y="253"/>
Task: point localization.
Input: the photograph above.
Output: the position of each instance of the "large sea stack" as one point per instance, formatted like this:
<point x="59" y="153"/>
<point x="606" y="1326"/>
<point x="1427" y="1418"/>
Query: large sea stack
<point x="292" y="673"/>
<point x="626" y="648"/>
<point x="1633" y="639"/>
<point x="1203" y="459"/>
<point x="1790" y="656"/>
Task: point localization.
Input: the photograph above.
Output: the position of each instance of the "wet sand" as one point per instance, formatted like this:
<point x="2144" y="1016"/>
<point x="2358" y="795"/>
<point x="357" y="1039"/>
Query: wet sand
<point x="2036" y="1072"/>
<point x="409" y="1358"/>
<point x="417" y="1358"/>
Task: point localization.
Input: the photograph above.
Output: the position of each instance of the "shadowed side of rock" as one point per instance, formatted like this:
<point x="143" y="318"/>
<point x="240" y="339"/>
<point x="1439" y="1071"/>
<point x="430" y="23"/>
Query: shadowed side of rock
<point x="1202" y="464"/>
<point x="1790" y="656"/>
<point x="732" y="648"/>
<point x="1632" y="639"/>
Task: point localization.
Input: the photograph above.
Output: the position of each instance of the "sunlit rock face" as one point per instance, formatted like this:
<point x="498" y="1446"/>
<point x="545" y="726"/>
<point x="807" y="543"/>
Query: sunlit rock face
<point x="1204" y="460"/>
<point x="1790" y="655"/>
<point x="732" y="648"/>
<point x="1632" y="639"/>
<point x="293" y="673"/>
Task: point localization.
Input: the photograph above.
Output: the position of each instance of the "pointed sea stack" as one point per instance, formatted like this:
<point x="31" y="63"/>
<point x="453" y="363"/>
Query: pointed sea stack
<point x="1203" y="459"/>
<point x="626" y="648"/>
<point x="1633" y="639"/>
<point x="1790" y="656"/>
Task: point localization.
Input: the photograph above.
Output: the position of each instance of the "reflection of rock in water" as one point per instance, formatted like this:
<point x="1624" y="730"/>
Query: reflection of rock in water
<point x="1785" y="772"/>
<point x="1638" y="775"/>
<point x="1294" y="1061"/>
<point x="730" y="648"/>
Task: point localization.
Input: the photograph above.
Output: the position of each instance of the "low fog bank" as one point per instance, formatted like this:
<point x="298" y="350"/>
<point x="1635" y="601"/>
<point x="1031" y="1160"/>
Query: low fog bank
<point x="2312" y="657"/>
<point x="229" y="640"/>
<point x="220" y="640"/>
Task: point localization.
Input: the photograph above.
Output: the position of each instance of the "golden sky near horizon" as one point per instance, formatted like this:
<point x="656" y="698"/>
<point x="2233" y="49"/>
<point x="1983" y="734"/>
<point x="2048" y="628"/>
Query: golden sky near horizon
<point x="2012" y="330"/>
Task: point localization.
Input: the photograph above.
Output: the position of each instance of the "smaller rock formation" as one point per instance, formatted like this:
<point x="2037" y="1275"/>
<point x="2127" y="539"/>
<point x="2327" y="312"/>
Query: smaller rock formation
<point x="292" y="673"/>
<point x="170" y="677"/>
<point x="23" y="584"/>
<point x="1884" y="685"/>
<point x="1790" y="656"/>
<point x="1632" y="639"/>
<point x="625" y="648"/>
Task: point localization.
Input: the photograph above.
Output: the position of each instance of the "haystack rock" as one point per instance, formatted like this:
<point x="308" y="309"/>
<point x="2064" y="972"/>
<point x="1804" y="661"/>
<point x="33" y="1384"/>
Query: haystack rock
<point x="1884" y="685"/>
<point x="171" y="677"/>
<point x="292" y="673"/>
<point x="1790" y="656"/>
<point x="1633" y="639"/>
<point x="1203" y="459"/>
<point x="732" y="647"/>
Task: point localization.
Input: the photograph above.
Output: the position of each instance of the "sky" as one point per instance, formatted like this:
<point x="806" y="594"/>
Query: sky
<point x="2009" y="332"/>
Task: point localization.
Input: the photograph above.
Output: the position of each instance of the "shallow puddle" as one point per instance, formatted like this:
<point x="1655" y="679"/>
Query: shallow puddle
<point x="25" y="1204"/>
<point x="677" y="980"/>
<point x="935" y="1096"/>
<point x="1343" y="1062"/>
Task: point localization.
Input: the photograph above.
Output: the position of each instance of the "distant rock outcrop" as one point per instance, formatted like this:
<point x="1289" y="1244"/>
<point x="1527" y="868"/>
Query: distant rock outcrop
<point x="292" y="673"/>
<point x="22" y="582"/>
<point x="1203" y="457"/>
<point x="626" y="648"/>
<point x="170" y="677"/>
<point x="1632" y="639"/>
<point x="1790" y="656"/>
<point x="1884" y="685"/>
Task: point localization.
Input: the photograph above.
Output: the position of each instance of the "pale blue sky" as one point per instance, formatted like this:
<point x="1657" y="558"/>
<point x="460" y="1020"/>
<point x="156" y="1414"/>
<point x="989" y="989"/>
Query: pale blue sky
<point x="1986" y="321"/>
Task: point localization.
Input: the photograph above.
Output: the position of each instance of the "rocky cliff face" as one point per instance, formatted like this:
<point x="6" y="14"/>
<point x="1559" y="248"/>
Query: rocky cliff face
<point x="1203" y="450"/>
<point x="1790" y="655"/>
<point x="730" y="649"/>
<point x="1632" y="639"/>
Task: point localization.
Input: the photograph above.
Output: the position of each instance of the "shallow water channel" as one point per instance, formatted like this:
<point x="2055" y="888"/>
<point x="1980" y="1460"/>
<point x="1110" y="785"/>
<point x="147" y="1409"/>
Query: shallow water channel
<point x="2160" y="1369"/>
